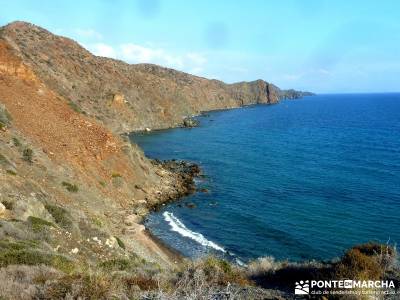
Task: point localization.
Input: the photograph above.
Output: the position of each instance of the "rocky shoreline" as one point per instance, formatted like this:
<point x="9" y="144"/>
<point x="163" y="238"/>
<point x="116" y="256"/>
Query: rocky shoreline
<point x="184" y="173"/>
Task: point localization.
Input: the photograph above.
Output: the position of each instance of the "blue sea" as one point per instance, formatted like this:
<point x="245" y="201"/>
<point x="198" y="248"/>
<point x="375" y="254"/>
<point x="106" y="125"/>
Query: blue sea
<point x="302" y="179"/>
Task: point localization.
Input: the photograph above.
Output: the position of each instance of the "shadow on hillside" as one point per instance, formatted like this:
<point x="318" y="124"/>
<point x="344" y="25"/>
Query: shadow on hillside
<point x="284" y="279"/>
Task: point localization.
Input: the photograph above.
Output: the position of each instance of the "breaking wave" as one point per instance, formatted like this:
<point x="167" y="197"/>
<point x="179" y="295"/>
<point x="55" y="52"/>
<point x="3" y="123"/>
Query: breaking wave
<point x="178" y="226"/>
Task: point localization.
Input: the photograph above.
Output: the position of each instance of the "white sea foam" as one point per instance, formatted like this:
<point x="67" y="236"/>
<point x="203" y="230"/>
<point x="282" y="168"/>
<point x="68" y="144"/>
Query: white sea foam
<point x="240" y="263"/>
<point x="178" y="226"/>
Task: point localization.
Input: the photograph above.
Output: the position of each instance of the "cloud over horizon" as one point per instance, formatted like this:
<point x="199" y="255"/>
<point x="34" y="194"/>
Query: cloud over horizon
<point x="191" y="62"/>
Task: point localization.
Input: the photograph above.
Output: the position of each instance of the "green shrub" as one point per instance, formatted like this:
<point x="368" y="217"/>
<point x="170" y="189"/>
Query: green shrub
<point x="124" y="264"/>
<point x="118" y="264"/>
<point x="75" y="107"/>
<point x="39" y="224"/>
<point x="16" y="142"/>
<point x="73" y="188"/>
<point x="3" y="160"/>
<point x="27" y="155"/>
<point x="5" y="117"/>
<point x="24" y="253"/>
<point x="120" y="243"/>
<point x="23" y="256"/>
<point x="11" y="172"/>
<point x="222" y="272"/>
<point x="60" y="215"/>
<point x="116" y="175"/>
<point x="97" y="221"/>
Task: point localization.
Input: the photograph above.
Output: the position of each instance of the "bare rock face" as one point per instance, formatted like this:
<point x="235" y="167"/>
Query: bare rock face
<point x="142" y="96"/>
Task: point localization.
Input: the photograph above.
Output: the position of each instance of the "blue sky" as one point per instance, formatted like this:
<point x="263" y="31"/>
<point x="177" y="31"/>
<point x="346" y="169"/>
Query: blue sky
<point x="322" y="46"/>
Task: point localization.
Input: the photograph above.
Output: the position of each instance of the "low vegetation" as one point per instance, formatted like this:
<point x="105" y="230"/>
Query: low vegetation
<point x="26" y="253"/>
<point x="27" y="155"/>
<point x="60" y="215"/>
<point x="11" y="172"/>
<point x="120" y="242"/>
<point x="5" y="117"/>
<point x="3" y="160"/>
<point x="75" y="107"/>
<point x="16" y="142"/>
<point x="369" y="261"/>
<point x="73" y="188"/>
<point x="365" y="262"/>
<point x="130" y="277"/>
<point x="39" y="224"/>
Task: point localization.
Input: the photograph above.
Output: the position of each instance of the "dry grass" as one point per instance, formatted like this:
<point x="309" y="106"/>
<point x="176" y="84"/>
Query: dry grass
<point x="366" y="262"/>
<point x="25" y="282"/>
<point x="208" y="278"/>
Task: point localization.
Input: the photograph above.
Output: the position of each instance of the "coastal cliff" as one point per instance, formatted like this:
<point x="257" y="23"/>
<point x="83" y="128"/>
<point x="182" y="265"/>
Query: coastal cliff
<point x="126" y="97"/>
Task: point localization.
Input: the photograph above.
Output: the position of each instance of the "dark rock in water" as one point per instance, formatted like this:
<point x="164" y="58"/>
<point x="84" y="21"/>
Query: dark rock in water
<point x="203" y="190"/>
<point x="190" y="122"/>
<point x="190" y="205"/>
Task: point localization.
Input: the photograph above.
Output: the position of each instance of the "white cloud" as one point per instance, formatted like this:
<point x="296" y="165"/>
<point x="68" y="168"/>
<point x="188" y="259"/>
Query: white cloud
<point x="192" y="62"/>
<point x="101" y="49"/>
<point x="139" y="54"/>
<point x="196" y="71"/>
<point x="88" y="34"/>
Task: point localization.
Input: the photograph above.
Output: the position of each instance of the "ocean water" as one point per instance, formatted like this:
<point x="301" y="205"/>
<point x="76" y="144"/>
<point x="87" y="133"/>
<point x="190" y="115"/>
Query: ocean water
<point x="302" y="179"/>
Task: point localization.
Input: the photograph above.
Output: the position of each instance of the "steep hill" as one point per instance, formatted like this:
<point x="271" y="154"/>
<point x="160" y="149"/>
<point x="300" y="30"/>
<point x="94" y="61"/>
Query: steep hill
<point x="125" y="97"/>
<point x="55" y="159"/>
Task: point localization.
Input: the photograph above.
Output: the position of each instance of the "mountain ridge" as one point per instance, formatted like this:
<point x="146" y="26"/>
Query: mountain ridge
<point x="128" y="97"/>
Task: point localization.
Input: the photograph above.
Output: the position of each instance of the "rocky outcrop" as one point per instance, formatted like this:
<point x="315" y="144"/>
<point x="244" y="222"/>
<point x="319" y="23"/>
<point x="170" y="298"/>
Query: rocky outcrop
<point x="190" y="122"/>
<point x="293" y="94"/>
<point x="124" y="97"/>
